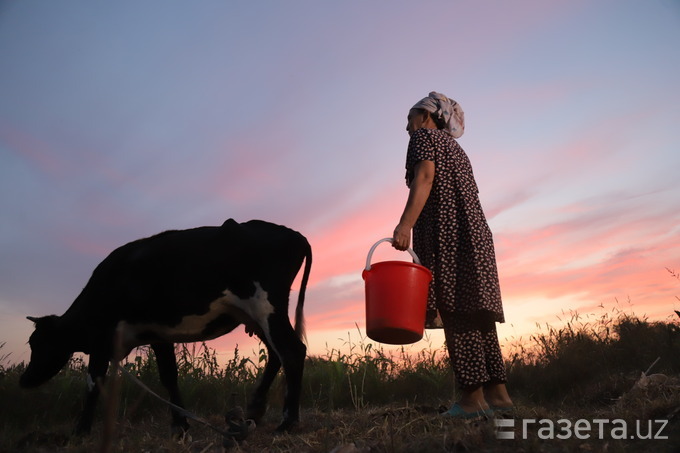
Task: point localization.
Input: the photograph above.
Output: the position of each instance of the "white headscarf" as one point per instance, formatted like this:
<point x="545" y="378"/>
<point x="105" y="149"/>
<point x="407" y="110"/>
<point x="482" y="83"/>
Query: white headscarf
<point x="444" y="110"/>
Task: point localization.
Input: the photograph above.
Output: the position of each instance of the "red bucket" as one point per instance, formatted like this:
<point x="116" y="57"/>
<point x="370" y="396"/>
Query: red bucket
<point x="396" y="299"/>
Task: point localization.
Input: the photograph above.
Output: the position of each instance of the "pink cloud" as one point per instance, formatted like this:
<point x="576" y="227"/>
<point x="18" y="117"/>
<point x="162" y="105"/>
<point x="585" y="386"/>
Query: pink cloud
<point x="614" y="271"/>
<point x="34" y="150"/>
<point x="342" y="247"/>
<point x="508" y="200"/>
<point x="344" y="316"/>
<point x="86" y="246"/>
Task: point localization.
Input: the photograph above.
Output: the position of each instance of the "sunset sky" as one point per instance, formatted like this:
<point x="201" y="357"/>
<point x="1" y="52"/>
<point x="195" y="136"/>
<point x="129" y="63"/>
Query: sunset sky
<point x="119" y="120"/>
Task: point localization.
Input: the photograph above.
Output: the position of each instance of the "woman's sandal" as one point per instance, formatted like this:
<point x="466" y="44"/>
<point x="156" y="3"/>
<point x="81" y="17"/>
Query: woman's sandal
<point x="457" y="411"/>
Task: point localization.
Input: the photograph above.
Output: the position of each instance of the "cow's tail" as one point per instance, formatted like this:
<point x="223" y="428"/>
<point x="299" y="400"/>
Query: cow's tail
<point x="299" y="315"/>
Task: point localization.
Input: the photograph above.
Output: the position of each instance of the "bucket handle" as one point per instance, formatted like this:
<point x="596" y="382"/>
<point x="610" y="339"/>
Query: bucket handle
<point x="370" y="253"/>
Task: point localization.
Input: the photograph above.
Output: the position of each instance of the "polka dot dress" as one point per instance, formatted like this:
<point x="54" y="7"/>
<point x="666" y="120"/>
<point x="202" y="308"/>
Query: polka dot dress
<point x="453" y="240"/>
<point x="451" y="236"/>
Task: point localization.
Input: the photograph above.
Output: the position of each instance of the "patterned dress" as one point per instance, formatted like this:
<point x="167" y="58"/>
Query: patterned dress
<point x="453" y="240"/>
<point x="451" y="236"/>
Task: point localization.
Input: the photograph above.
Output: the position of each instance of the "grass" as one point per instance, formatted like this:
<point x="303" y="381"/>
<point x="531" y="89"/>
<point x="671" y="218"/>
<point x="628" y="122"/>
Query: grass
<point x="361" y="398"/>
<point x="592" y="361"/>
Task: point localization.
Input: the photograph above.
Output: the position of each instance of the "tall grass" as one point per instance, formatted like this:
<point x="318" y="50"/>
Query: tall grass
<point x="362" y="374"/>
<point x="593" y="359"/>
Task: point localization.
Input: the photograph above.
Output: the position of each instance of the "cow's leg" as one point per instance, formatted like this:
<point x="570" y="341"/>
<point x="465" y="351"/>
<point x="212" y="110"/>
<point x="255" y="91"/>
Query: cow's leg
<point x="96" y="372"/>
<point x="167" y="369"/>
<point x="292" y="353"/>
<point x="258" y="401"/>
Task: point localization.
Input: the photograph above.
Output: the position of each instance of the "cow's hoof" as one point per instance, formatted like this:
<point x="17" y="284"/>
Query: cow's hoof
<point x="286" y="426"/>
<point x="256" y="412"/>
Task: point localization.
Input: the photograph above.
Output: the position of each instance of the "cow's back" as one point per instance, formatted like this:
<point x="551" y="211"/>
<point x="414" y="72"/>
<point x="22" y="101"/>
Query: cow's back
<point x="167" y="276"/>
<point x="278" y="250"/>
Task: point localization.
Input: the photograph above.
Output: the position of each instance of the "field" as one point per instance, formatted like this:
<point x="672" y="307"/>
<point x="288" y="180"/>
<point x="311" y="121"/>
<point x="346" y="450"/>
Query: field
<point x="591" y="385"/>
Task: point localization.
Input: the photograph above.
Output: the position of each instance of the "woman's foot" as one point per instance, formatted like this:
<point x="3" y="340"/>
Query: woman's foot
<point x="497" y="397"/>
<point x="472" y="400"/>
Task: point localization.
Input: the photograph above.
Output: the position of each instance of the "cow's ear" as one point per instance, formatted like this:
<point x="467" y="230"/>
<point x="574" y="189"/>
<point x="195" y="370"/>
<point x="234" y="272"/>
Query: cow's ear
<point x="32" y="318"/>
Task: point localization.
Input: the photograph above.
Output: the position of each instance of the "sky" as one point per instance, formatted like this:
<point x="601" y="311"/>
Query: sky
<point x="119" y="120"/>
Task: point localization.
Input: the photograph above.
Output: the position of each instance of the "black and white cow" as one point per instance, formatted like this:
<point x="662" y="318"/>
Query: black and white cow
<point x="183" y="286"/>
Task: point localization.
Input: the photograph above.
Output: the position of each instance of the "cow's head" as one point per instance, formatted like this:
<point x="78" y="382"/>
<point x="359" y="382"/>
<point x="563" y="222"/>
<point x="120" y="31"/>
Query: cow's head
<point x="49" y="351"/>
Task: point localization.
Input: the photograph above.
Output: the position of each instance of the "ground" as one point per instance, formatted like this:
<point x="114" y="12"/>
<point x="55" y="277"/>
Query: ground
<point x="389" y="429"/>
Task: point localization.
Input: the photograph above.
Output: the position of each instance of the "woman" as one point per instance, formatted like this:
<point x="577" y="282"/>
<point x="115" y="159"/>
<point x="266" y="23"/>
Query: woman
<point x="452" y="239"/>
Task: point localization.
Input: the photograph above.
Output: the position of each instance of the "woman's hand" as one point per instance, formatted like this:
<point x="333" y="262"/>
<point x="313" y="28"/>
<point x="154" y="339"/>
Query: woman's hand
<point x="401" y="239"/>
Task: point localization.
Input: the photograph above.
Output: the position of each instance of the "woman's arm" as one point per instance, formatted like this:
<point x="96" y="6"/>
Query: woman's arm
<point x="418" y="195"/>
